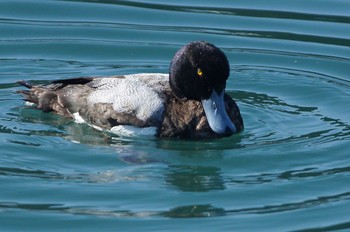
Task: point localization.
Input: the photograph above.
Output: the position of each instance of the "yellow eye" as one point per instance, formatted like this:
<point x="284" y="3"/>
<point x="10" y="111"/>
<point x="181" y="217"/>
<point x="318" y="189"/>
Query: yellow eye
<point x="199" y="72"/>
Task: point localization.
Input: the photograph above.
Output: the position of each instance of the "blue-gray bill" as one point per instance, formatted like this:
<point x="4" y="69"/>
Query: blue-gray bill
<point x="218" y="119"/>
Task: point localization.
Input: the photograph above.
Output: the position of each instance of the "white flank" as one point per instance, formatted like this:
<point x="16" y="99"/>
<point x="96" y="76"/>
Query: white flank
<point x="30" y="104"/>
<point x="137" y="94"/>
<point x="78" y="118"/>
<point x="121" y="130"/>
<point x="130" y="131"/>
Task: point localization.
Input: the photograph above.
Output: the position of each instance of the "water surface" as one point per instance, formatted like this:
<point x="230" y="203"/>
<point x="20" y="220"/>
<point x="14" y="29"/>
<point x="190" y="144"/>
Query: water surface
<point x="288" y="171"/>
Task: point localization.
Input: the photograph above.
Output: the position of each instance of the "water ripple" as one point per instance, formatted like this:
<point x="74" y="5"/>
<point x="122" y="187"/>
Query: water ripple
<point x="188" y="211"/>
<point x="289" y="76"/>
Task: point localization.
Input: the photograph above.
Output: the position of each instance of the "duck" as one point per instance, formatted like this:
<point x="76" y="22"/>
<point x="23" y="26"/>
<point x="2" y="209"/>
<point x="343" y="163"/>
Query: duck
<point x="189" y="102"/>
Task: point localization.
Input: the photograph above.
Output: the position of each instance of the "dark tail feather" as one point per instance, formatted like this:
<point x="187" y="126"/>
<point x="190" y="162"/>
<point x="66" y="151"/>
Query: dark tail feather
<point x="28" y="94"/>
<point x="43" y="98"/>
<point x="25" y="84"/>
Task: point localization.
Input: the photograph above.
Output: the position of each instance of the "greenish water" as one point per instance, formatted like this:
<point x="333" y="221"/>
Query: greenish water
<point x="288" y="171"/>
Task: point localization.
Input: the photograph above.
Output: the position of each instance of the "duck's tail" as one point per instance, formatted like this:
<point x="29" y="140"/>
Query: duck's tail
<point x="25" y="84"/>
<point x="42" y="97"/>
<point x="28" y="97"/>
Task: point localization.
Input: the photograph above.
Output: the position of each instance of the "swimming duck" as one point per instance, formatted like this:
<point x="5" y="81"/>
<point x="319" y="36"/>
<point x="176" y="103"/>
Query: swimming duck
<point x="189" y="102"/>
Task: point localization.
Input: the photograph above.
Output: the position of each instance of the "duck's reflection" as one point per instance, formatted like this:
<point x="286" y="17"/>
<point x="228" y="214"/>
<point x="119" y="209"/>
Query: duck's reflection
<point x="195" y="178"/>
<point x="190" y="211"/>
<point x="176" y="157"/>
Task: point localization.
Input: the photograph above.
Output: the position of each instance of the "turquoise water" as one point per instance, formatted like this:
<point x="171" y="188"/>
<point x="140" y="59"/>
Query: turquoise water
<point x="290" y="75"/>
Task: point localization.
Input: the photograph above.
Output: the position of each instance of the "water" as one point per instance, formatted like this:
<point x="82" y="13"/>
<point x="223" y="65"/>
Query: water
<point x="288" y="171"/>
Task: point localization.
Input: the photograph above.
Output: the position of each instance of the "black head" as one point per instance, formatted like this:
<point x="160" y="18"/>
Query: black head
<point x="199" y="72"/>
<point x="197" y="69"/>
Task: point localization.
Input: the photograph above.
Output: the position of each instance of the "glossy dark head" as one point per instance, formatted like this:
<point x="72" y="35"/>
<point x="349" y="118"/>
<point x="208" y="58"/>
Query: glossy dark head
<point x="199" y="72"/>
<point x="197" y="69"/>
